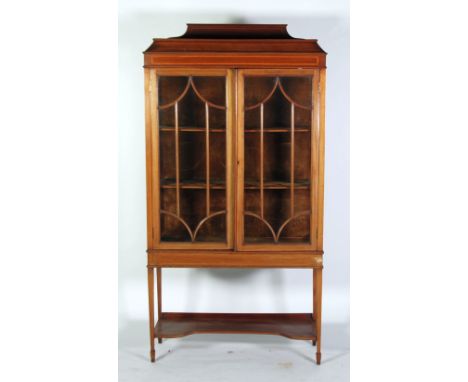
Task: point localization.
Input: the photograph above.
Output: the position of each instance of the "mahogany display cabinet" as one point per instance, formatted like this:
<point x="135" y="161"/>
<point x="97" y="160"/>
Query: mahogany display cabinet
<point x="235" y="166"/>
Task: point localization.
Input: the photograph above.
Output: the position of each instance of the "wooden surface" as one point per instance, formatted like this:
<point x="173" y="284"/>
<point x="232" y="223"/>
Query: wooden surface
<point x="236" y="31"/>
<point x="235" y="134"/>
<point x="235" y="138"/>
<point x="151" y="311"/>
<point x="299" y="326"/>
<point x="235" y="60"/>
<point x="235" y="46"/>
<point x="321" y="159"/>
<point x="160" y="145"/>
<point x="273" y="38"/>
<point x="244" y="259"/>
<point x="317" y="301"/>
<point x="232" y="52"/>
<point x="312" y="171"/>
<point x="159" y="286"/>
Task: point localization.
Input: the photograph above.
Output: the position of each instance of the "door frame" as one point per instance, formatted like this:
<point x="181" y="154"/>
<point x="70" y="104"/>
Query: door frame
<point x="316" y="162"/>
<point x="152" y="157"/>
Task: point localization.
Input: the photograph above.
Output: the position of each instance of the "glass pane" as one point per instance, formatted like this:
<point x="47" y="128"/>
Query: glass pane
<point x="192" y="155"/>
<point x="277" y="152"/>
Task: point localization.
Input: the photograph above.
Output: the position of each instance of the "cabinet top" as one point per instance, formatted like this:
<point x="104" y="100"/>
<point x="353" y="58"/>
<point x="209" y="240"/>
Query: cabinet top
<point x="235" y="45"/>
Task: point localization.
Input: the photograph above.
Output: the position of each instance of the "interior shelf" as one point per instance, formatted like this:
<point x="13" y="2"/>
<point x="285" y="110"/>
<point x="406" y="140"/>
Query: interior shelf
<point x="276" y="185"/>
<point x="194" y="184"/>
<point x="248" y="185"/>
<point x="279" y="130"/>
<point x="292" y="325"/>
<point x="192" y="129"/>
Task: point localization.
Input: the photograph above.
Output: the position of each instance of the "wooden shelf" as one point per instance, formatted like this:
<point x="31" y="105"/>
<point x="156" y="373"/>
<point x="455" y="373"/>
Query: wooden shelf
<point x="276" y="185"/>
<point x="278" y="130"/>
<point x="299" y="326"/>
<point x="194" y="184"/>
<point x="191" y="129"/>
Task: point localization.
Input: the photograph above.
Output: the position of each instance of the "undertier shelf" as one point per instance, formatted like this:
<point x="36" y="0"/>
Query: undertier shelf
<point x="299" y="326"/>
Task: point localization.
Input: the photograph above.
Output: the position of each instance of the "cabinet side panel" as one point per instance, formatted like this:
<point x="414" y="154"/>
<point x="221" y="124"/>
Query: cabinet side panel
<point x="152" y="165"/>
<point x="149" y="164"/>
<point x="321" y="179"/>
<point x="315" y="145"/>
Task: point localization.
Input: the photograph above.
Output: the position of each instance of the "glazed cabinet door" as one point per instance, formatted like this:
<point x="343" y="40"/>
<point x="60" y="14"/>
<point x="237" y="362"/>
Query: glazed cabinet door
<point x="190" y="118"/>
<point x="277" y="151"/>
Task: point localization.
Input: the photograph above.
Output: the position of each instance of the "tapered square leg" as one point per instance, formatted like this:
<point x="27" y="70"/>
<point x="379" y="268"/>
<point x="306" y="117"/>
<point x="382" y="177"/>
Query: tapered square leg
<point x="318" y="311"/>
<point x="151" y="311"/>
<point x="159" y="283"/>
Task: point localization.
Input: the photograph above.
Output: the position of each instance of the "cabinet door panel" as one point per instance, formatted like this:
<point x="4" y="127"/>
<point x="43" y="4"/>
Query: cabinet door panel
<point x="275" y="190"/>
<point x="193" y="138"/>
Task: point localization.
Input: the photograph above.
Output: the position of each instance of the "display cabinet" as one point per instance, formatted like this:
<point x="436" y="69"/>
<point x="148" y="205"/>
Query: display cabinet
<point x="234" y="155"/>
